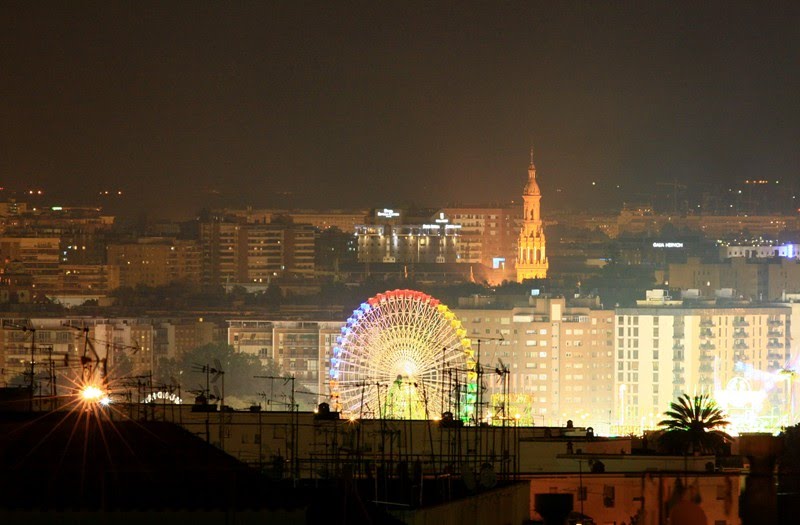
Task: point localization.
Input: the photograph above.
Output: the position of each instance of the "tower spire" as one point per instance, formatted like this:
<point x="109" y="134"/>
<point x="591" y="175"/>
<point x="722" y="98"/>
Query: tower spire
<point x="531" y="256"/>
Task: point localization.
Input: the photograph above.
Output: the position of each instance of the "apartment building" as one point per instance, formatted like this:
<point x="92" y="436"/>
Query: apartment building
<point x="156" y="261"/>
<point x="752" y="278"/>
<point x="488" y="234"/>
<point x="344" y="220"/>
<point x="663" y="351"/>
<point x="52" y="345"/>
<point x="300" y="348"/>
<point x="559" y="359"/>
<point x="242" y="253"/>
<point x="38" y="256"/>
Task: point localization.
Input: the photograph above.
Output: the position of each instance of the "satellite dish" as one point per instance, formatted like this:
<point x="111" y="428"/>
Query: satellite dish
<point x="487" y="477"/>
<point x="469" y="478"/>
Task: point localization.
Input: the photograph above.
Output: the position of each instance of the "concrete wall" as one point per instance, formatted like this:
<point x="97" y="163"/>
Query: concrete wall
<point x="615" y="498"/>
<point x="507" y="506"/>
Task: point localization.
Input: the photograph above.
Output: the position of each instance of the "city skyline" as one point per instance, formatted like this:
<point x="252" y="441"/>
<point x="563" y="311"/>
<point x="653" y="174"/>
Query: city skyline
<point x="185" y="106"/>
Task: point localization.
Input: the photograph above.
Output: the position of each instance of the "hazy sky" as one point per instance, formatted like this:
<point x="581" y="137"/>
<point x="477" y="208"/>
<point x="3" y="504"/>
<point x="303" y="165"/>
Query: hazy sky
<point x="379" y="103"/>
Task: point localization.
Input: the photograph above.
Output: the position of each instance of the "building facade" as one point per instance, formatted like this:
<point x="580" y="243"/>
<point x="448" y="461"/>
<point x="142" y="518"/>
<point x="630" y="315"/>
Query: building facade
<point x="246" y="253"/>
<point x="663" y="351"/>
<point x="156" y="261"/>
<point x="301" y="349"/>
<point x="559" y="360"/>
<point x="749" y="278"/>
<point x="487" y="234"/>
<point x="391" y="237"/>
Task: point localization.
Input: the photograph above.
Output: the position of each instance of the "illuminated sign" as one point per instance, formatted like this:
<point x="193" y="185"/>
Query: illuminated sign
<point x="386" y="212"/>
<point x="154" y="397"/>
<point x="667" y="245"/>
<point x="442" y="219"/>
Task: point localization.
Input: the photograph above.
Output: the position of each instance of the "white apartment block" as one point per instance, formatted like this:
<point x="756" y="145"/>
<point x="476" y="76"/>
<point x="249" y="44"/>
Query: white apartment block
<point x="662" y="352"/>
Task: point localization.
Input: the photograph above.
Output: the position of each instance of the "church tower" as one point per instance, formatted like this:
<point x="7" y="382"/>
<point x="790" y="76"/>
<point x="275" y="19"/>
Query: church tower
<point x="531" y="255"/>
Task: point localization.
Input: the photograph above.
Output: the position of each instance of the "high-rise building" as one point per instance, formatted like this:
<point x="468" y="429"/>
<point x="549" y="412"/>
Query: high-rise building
<point x="665" y="350"/>
<point x="559" y="359"/>
<point x="531" y="256"/>
<point x="236" y="252"/>
<point x="487" y="234"/>
<point x="38" y="256"/>
<point x="156" y="261"/>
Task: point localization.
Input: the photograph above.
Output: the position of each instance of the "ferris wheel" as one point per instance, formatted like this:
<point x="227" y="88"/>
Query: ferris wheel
<point x="403" y="355"/>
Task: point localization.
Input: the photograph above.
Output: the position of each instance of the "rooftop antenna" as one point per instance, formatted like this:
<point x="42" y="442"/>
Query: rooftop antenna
<point x="27" y="327"/>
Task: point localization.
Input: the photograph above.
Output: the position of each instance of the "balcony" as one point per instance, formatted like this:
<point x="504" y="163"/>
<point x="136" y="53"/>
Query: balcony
<point x="708" y="346"/>
<point x="740" y="332"/>
<point x="774" y="344"/>
<point x="678" y="370"/>
<point x="706" y="381"/>
<point x="678" y="334"/>
<point x="679" y="381"/>
<point x="678" y="346"/>
<point x="706" y="332"/>
<point x="774" y="322"/>
<point x="707" y="323"/>
<point x="677" y="356"/>
<point x="740" y="356"/>
<point x="706" y="368"/>
<point x="774" y="356"/>
<point x="740" y="345"/>
<point x="774" y="333"/>
<point x="706" y="358"/>
<point x="739" y="321"/>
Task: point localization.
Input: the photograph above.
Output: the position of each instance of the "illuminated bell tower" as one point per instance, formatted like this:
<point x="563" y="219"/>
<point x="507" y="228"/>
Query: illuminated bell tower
<point x="531" y="255"/>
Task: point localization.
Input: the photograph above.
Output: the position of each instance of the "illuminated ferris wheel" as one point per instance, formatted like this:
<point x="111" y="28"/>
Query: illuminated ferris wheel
<point x="403" y="355"/>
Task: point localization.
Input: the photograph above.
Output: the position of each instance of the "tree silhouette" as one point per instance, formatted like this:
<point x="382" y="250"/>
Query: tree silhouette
<point x="694" y="426"/>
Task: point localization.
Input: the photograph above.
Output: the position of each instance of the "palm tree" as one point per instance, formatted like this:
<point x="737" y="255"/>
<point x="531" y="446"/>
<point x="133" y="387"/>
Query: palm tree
<point x="694" y="426"/>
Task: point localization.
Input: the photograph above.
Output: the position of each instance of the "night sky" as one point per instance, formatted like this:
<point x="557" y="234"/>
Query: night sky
<point x="340" y="104"/>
